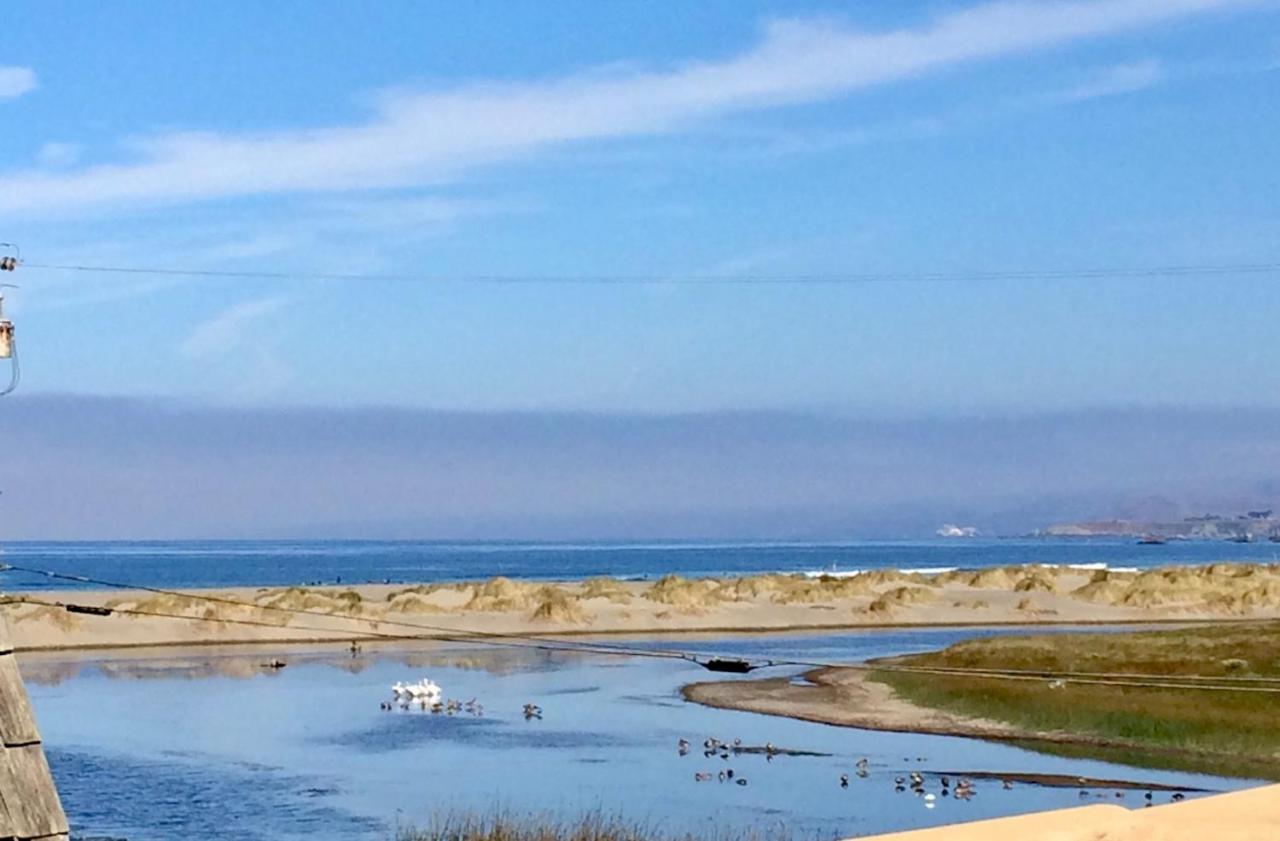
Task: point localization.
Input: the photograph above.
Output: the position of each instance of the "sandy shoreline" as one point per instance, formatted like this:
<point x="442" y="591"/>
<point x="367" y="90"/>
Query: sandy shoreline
<point x="1251" y="815"/>
<point x="848" y="698"/>
<point x="1024" y="595"/>
<point x="842" y="697"/>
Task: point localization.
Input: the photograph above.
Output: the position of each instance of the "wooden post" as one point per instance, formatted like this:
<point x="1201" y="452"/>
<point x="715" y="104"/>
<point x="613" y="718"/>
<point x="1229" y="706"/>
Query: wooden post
<point x="29" y="804"/>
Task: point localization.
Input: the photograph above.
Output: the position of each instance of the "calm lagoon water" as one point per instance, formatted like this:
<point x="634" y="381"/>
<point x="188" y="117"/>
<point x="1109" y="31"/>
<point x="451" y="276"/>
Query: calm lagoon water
<point x="212" y="745"/>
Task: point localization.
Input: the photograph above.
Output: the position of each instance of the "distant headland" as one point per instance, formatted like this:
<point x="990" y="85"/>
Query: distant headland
<point x="1250" y="526"/>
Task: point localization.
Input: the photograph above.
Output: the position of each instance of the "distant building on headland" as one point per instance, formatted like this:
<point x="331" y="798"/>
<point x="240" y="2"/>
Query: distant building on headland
<point x="957" y="531"/>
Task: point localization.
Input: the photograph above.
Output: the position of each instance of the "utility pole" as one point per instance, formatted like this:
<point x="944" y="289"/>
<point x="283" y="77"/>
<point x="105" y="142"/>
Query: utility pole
<point x="29" y="804"/>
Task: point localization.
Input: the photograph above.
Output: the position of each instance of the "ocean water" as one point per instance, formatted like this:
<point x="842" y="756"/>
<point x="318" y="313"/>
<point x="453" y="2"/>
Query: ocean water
<point x="276" y="563"/>
<point x="212" y="745"/>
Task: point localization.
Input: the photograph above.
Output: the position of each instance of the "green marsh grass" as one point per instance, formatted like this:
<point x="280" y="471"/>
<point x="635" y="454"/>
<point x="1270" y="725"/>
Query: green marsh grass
<point x="1233" y="733"/>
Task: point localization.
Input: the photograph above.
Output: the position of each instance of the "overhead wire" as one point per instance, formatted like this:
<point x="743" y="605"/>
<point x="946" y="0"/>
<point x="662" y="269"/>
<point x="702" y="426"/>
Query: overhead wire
<point x="95" y="610"/>
<point x="520" y="640"/>
<point x="443" y="632"/>
<point x="341" y="633"/>
<point x="633" y="652"/>
<point x="693" y="279"/>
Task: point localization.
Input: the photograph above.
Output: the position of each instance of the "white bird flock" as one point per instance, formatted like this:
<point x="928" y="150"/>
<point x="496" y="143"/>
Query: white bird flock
<point x="424" y="690"/>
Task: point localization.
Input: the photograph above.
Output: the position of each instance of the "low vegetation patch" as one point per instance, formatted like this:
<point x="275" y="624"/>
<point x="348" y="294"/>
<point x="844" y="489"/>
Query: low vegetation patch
<point x="1231" y="732"/>
<point x="592" y="827"/>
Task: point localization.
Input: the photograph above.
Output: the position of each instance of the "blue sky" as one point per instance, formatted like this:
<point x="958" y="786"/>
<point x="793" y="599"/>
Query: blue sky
<point x="630" y="138"/>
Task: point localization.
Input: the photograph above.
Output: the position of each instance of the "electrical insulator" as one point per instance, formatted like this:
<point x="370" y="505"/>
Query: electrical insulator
<point x="8" y="349"/>
<point x="8" y="264"/>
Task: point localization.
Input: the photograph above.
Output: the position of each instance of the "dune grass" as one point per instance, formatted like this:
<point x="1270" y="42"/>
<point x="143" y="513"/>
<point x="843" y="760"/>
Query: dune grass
<point x="1236" y="733"/>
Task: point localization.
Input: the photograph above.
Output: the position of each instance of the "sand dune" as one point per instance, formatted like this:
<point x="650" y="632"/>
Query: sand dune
<point x="1020" y="594"/>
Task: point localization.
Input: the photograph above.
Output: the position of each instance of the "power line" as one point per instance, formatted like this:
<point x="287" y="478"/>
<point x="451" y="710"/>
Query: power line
<point x="94" y="610"/>
<point x="605" y="279"/>
<point x="622" y="651"/>
<point x="508" y="642"/>
<point x="442" y="632"/>
<point x="519" y="640"/>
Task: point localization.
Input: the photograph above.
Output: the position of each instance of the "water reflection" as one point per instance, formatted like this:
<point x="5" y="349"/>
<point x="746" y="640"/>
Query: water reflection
<point x="212" y="744"/>
<point x="54" y="668"/>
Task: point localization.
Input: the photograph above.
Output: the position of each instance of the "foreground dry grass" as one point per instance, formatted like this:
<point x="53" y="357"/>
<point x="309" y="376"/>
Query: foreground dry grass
<point x="1231" y="732"/>
<point x="1251" y="815"/>
<point x="503" y="826"/>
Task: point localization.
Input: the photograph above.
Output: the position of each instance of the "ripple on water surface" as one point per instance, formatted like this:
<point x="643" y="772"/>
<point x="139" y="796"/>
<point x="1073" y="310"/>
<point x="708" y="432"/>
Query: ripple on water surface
<point x="107" y="795"/>
<point x="222" y="750"/>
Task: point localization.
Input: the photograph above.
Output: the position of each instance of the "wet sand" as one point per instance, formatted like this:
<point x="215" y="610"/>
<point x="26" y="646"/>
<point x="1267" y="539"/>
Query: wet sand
<point x="843" y="697"/>
<point x="847" y="698"/>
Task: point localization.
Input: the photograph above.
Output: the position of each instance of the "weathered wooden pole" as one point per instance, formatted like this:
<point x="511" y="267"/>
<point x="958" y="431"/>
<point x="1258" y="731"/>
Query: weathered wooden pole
<point x="29" y="804"/>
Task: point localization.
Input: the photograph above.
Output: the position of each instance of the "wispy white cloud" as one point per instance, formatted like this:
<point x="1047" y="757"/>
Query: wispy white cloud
<point x="239" y="359"/>
<point x="318" y="234"/>
<point x="55" y="155"/>
<point x="420" y="138"/>
<point x="1115" y="80"/>
<point x="15" y="81"/>
<point x="227" y="331"/>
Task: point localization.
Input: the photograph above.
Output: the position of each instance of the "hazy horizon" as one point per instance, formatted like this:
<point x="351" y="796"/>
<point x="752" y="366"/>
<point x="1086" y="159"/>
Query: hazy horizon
<point x="79" y="467"/>
<point x="225" y="215"/>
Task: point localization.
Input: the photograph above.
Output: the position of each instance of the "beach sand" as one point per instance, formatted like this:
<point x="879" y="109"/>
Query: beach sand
<point x="1252" y="815"/>
<point x="844" y="697"/>
<point x="1008" y="595"/>
<point x="1022" y="595"/>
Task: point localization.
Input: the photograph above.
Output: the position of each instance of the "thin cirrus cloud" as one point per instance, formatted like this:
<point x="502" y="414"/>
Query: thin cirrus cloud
<point x="16" y="81"/>
<point x="420" y="138"/>
<point x="1116" y="80"/>
<point x="54" y="155"/>
<point x="227" y="330"/>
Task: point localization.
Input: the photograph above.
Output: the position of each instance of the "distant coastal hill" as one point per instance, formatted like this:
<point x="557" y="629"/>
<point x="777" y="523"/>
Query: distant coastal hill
<point x="1250" y="526"/>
